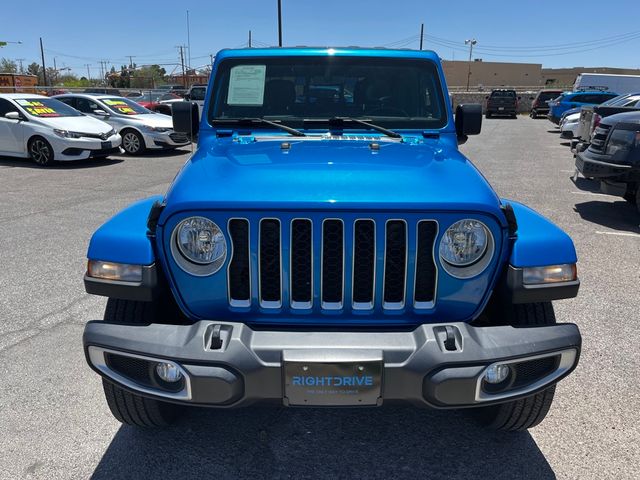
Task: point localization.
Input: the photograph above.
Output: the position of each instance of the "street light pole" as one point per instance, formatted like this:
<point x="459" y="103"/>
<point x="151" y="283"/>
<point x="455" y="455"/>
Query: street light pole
<point x="471" y="43"/>
<point x="279" y="23"/>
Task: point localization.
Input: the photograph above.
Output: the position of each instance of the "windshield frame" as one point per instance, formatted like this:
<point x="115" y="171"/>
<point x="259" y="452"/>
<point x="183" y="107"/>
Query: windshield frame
<point x="223" y="69"/>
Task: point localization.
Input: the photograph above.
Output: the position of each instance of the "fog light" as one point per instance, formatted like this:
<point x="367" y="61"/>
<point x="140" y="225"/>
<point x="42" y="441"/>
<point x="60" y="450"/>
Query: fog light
<point x="496" y="373"/>
<point x="169" y="372"/>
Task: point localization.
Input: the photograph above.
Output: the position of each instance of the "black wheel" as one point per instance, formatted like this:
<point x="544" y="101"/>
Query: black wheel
<point x="533" y="114"/>
<point x="638" y="199"/>
<point x="487" y="115"/>
<point x="40" y="151"/>
<point x="526" y="412"/>
<point x="132" y="142"/>
<point x="515" y="115"/>
<point x="631" y="194"/>
<point x="125" y="406"/>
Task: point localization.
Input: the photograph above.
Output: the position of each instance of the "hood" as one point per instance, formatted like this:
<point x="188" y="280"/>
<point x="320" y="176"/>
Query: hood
<point x="83" y="124"/>
<point x="330" y="174"/>
<point x="151" y="120"/>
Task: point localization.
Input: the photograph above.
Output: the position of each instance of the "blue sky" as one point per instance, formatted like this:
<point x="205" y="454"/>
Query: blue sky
<point x="556" y="34"/>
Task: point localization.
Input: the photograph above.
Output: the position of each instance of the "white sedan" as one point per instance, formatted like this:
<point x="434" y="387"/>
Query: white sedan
<point x="569" y="126"/>
<point x="46" y="129"/>
<point x="141" y="129"/>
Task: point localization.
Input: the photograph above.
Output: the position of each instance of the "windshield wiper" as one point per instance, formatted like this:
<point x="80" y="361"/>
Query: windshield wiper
<point x="260" y="120"/>
<point x="340" y="121"/>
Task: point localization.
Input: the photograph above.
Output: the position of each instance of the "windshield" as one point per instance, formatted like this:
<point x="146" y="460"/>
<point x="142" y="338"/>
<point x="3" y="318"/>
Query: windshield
<point x="391" y="92"/>
<point x="547" y="96"/>
<point x="125" y="106"/>
<point x="198" y="93"/>
<point x="503" y="94"/>
<point x="47" y="108"/>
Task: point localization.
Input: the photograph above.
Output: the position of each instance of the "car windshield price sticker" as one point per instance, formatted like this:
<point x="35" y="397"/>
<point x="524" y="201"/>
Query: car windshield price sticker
<point x="120" y="106"/>
<point x="246" y="85"/>
<point x="38" y="109"/>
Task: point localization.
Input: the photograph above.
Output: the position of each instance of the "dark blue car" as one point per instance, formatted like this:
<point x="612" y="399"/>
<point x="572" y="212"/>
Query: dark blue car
<point x="569" y="100"/>
<point x="328" y="245"/>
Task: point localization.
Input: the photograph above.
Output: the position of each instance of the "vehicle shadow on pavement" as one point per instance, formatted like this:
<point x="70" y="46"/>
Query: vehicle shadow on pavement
<point x="617" y="215"/>
<point x="72" y="165"/>
<point x="392" y="442"/>
<point x="586" y="185"/>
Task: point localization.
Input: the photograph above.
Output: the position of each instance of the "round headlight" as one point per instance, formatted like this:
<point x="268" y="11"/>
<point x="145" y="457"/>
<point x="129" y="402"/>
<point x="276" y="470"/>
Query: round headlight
<point x="464" y="246"/>
<point x="201" y="242"/>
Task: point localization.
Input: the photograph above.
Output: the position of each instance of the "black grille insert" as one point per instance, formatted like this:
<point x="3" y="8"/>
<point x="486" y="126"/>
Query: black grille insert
<point x="301" y="263"/>
<point x="395" y="263"/>
<point x="425" y="285"/>
<point x="135" y="369"/>
<point x="332" y="263"/>
<point x="364" y="252"/>
<point x="270" y="284"/>
<point x="531" y="371"/>
<point x="239" y="267"/>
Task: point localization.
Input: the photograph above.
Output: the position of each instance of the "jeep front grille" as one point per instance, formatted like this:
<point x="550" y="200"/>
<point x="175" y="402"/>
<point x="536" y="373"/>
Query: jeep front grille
<point x="359" y="264"/>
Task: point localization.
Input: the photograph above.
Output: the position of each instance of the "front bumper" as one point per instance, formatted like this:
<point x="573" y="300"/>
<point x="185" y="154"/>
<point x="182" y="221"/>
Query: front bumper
<point x="84" y="147"/>
<point x="592" y="165"/>
<point x="160" y="140"/>
<point x="230" y="364"/>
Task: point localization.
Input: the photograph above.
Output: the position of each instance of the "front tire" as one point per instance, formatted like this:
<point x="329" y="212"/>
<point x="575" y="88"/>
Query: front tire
<point x="130" y="408"/>
<point x="133" y="142"/>
<point x="527" y="412"/>
<point x="40" y="151"/>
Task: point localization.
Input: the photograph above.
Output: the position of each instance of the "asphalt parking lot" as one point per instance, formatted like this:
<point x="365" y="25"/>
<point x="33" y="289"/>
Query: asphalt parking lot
<point x="54" y="422"/>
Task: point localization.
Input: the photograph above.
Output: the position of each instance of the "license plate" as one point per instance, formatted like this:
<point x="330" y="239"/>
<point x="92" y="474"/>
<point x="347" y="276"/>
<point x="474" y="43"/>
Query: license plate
<point x="328" y="383"/>
<point x="500" y="108"/>
<point x="105" y="145"/>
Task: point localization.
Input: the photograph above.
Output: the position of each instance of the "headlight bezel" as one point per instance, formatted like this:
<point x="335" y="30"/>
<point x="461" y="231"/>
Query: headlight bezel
<point x="472" y="268"/>
<point x="189" y="264"/>
<point x="67" y="134"/>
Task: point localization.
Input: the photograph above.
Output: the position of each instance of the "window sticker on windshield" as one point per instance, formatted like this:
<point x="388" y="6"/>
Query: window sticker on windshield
<point x="120" y="106"/>
<point x="38" y="109"/>
<point x="246" y="85"/>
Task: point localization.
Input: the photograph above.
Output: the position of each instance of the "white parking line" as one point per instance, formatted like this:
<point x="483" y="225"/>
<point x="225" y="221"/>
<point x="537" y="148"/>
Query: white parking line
<point x="567" y="171"/>
<point x="620" y="234"/>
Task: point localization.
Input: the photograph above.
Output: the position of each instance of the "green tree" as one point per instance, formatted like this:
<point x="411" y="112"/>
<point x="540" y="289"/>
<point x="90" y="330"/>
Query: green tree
<point x="8" y="66"/>
<point x="35" y="69"/>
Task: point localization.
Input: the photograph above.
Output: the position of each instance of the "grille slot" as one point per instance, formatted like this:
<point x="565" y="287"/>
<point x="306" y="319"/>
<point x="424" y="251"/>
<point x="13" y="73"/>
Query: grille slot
<point x="425" y="283"/>
<point x="270" y="263"/>
<point x="239" y="277"/>
<point x="332" y="264"/>
<point x="395" y="264"/>
<point x="301" y="264"/>
<point x="364" y="259"/>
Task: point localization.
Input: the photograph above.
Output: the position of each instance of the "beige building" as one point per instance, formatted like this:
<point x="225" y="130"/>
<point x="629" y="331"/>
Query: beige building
<point x="492" y="74"/>
<point x="565" y="77"/>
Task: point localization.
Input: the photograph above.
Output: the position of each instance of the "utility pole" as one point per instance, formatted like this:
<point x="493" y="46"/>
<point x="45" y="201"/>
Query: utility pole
<point x="279" y="23"/>
<point x="184" y="80"/>
<point x="188" y="42"/>
<point x="55" y="66"/>
<point x="249" y="38"/>
<point x="130" y="60"/>
<point x="88" y="71"/>
<point x="20" y="60"/>
<point x="421" y="34"/>
<point x="211" y="58"/>
<point x="471" y="43"/>
<point x="44" y="67"/>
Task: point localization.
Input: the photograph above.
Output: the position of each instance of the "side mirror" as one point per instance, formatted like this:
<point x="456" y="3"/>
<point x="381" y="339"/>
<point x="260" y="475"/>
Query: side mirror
<point x="186" y="118"/>
<point x="519" y="98"/>
<point x="13" y="116"/>
<point x="187" y="96"/>
<point x="531" y="98"/>
<point x="468" y="120"/>
<point x="101" y="113"/>
<point x="486" y="97"/>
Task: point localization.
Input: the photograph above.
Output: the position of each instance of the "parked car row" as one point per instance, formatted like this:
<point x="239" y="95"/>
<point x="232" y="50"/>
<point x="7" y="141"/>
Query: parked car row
<point x="605" y="138"/>
<point x="80" y="126"/>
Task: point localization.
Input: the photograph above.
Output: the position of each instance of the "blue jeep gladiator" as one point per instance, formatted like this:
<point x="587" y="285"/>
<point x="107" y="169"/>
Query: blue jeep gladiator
<point x="328" y="245"/>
